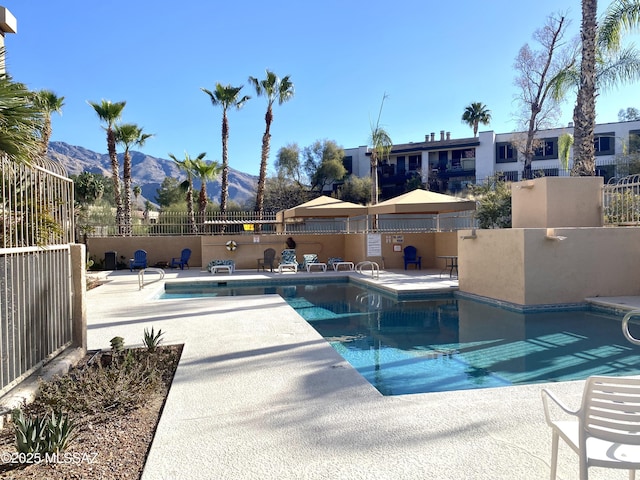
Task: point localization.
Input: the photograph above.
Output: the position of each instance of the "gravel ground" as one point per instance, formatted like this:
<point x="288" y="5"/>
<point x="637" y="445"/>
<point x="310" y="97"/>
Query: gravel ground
<point x="115" y="448"/>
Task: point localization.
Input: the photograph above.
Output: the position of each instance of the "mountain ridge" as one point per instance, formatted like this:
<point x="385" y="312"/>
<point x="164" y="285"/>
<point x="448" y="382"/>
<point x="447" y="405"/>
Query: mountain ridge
<point x="149" y="172"/>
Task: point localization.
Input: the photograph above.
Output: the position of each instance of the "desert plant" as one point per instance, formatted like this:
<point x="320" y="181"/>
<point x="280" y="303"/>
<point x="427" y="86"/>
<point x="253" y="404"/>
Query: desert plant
<point x="152" y="340"/>
<point x="117" y="344"/>
<point x="42" y="434"/>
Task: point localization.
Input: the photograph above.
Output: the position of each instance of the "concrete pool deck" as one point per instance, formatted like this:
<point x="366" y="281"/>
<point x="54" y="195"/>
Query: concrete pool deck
<point x="259" y="394"/>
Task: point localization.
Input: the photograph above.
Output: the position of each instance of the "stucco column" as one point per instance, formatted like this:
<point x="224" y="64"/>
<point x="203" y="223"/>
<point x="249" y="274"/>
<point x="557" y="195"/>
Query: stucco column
<point x="79" y="305"/>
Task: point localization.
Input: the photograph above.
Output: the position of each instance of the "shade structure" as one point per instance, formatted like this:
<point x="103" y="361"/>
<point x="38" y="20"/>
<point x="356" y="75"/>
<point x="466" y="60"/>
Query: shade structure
<point x="422" y="201"/>
<point x="324" y="206"/>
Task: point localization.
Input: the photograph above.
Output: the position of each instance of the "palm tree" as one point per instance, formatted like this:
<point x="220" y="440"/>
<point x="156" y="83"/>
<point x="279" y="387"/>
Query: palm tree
<point x="20" y="120"/>
<point x="128" y="135"/>
<point x="620" y="15"/>
<point x="205" y="171"/>
<point x="476" y="113"/>
<point x="274" y="89"/>
<point x="584" y="113"/>
<point x="186" y="166"/>
<point x="110" y="113"/>
<point x="381" y="146"/>
<point x="604" y="64"/>
<point x="48" y="102"/>
<point x="226" y="97"/>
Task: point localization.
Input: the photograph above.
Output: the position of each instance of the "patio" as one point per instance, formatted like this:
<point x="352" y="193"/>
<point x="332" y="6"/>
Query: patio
<point x="259" y="394"/>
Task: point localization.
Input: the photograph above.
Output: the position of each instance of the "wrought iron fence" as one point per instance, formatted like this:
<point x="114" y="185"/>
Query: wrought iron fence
<point x="36" y="213"/>
<point x="621" y="201"/>
<point x="168" y="223"/>
<point x="179" y="223"/>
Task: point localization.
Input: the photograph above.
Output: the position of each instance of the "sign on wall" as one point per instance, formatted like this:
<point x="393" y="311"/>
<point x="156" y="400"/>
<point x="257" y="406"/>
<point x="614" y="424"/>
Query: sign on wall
<point x="374" y="245"/>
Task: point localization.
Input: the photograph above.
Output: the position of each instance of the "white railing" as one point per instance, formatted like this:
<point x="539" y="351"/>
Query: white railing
<point x="36" y="228"/>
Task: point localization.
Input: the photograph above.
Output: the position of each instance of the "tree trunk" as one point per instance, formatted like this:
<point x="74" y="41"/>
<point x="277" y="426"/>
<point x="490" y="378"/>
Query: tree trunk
<point x="224" y="187"/>
<point x="126" y="177"/>
<point x="115" y="172"/>
<point x="584" y="113"/>
<point x="264" y="158"/>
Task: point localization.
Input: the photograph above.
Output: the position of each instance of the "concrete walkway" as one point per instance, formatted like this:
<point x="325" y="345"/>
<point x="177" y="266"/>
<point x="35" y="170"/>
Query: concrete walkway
<point x="259" y="394"/>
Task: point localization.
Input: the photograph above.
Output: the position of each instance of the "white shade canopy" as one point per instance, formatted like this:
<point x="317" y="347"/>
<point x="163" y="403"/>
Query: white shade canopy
<point x="325" y="206"/>
<point x="422" y="201"/>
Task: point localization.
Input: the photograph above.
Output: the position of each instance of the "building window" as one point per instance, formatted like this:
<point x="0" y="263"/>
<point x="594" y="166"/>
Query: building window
<point x="547" y="149"/>
<point x="415" y="162"/>
<point x="634" y="141"/>
<point x="348" y="164"/>
<point x="604" y="143"/>
<point x="505" y="153"/>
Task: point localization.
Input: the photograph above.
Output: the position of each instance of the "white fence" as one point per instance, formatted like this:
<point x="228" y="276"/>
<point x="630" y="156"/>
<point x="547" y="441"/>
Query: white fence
<point x="36" y="216"/>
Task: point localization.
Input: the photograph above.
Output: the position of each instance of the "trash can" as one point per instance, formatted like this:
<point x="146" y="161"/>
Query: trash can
<point x="110" y="260"/>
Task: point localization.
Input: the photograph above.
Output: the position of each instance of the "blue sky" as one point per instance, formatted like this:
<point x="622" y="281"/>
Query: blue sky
<point x="431" y="58"/>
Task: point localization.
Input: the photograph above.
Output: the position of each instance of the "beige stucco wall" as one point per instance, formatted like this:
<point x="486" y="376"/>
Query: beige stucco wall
<point x="557" y="202"/>
<point x="524" y="267"/>
<point x="159" y="249"/>
<point x="352" y="247"/>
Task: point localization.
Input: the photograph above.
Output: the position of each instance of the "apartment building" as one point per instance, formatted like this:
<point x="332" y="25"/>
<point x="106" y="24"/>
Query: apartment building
<point x="447" y="164"/>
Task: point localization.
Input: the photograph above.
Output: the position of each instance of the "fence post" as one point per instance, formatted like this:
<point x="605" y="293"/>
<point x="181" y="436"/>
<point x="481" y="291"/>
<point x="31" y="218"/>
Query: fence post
<point x="79" y="309"/>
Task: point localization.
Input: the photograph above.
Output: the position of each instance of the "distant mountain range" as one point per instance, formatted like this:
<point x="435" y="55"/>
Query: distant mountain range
<point x="149" y="172"/>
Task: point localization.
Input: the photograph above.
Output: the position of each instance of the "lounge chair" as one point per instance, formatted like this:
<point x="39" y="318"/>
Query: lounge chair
<point x="288" y="261"/>
<point x="309" y="260"/>
<point x="139" y="260"/>
<point x="269" y="257"/>
<point x="411" y="257"/>
<point x="605" y="430"/>
<point x="183" y="260"/>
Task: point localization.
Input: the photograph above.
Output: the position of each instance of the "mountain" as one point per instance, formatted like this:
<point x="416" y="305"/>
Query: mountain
<point x="149" y="172"/>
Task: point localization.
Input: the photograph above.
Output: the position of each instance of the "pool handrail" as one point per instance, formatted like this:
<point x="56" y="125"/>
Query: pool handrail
<point x="625" y="326"/>
<point x="375" y="268"/>
<point x="159" y="271"/>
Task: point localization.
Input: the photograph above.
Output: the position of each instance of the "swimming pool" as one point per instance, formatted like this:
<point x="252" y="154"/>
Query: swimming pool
<point x="415" y="345"/>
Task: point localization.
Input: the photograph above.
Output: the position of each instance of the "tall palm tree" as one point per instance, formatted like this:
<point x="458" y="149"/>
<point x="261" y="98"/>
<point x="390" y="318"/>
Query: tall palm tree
<point x="110" y="113"/>
<point x="584" y="113"/>
<point x="274" y="88"/>
<point x="128" y="135"/>
<point x="604" y="64"/>
<point x="381" y="146"/>
<point x="205" y="171"/>
<point x="476" y="113"/>
<point x="186" y="166"/>
<point x="48" y="102"/>
<point x="225" y="97"/>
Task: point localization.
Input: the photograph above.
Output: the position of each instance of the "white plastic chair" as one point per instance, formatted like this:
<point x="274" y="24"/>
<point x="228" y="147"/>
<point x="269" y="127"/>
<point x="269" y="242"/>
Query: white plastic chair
<point x="606" y="429"/>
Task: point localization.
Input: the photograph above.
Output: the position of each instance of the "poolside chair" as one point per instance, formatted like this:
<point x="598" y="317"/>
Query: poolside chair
<point x="606" y="429"/>
<point x="182" y="261"/>
<point x="288" y="260"/>
<point x="411" y="257"/>
<point x="268" y="259"/>
<point x="139" y="260"/>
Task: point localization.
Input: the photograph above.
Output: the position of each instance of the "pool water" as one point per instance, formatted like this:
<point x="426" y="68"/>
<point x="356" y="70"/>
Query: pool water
<point x="443" y="344"/>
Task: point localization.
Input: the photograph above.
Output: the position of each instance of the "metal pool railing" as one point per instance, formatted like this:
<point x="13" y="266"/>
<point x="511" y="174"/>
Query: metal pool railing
<point x="625" y="326"/>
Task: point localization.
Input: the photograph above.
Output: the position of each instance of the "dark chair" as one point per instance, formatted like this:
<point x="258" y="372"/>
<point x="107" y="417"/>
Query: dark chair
<point x="182" y="261"/>
<point x="411" y="257"/>
<point x="139" y="260"/>
<point x="269" y="257"/>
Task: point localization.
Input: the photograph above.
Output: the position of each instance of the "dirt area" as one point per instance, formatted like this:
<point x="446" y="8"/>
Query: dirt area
<point x="111" y="443"/>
